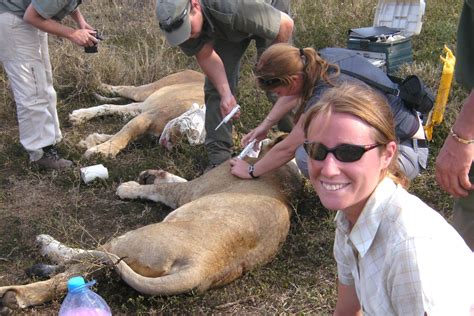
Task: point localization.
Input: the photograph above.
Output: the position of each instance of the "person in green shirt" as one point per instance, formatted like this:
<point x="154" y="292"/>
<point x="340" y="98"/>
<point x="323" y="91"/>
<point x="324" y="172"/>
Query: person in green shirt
<point x="24" y="28"/>
<point x="454" y="164"/>
<point x="218" y="33"/>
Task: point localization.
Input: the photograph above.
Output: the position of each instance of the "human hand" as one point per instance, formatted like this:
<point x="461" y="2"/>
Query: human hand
<point x="259" y="133"/>
<point x="452" y="167"/>
<point x="239" y="168"/>
<point x="84" y="25"/>
<point x="83" y="37"/>
<point x="228" y="102"/>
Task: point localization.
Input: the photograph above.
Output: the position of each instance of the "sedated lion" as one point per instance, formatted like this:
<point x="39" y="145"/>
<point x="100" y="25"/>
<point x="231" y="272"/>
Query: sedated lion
<point x="221" y="227"/>
<point x="156" y="104"/>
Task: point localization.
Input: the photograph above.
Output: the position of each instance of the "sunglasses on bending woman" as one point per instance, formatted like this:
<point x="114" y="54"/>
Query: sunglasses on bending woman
<point x="176" y="24"/>
<point x="343" y="153"/>
<point x="268" y="82"/>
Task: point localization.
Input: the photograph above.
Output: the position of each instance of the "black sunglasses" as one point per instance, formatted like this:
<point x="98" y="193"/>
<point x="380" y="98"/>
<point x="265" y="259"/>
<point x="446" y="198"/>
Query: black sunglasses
<point x="176" y="24"/>
<point x="268" y="82"/>
<point x="343" y="153"/>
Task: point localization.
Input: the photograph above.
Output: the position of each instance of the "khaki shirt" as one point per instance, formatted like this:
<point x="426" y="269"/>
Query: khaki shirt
<point x="235" y="21"/>
<point x="56" y="10"/>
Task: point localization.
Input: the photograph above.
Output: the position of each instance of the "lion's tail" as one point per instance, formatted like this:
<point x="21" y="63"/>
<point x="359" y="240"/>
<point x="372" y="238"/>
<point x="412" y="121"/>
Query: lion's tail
<point x="181" y="281"/>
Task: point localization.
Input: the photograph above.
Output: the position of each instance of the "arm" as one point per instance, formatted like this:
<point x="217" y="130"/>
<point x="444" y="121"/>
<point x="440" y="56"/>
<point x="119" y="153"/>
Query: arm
<point x="455" y="159"/>
<point x="347" y="301"/>
<point x="280" y="154"/>
<point x="213" y="67"/>
<point x="260" y="19"/>
<point x="286" y="29"/>
<point x="282" y="106"/>
<point x="81" y="37"/>
<point x="77" y="16"/>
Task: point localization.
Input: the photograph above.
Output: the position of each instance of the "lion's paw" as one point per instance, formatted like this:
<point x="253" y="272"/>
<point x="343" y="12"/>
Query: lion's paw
<point x="150" y="176"/>
<point x="94" y="140"/>
<point x="106" y="149"/>
<point x="51" y="248"/>
<point x="128" y="190"/>
<point x="80" y="116"/>
<point x="158" y="176"/>
<point x="44" y="240"/>
<point x="90" y="152"/>
<point x="107" y="89"/>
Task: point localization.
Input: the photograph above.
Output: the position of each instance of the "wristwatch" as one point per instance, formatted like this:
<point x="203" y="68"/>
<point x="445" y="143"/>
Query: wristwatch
<point x="251" y="170"/>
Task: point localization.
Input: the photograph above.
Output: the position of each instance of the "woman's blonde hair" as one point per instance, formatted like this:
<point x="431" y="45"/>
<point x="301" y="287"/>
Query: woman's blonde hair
<point x="281" y="61"/>
<point x="368" y="105"/>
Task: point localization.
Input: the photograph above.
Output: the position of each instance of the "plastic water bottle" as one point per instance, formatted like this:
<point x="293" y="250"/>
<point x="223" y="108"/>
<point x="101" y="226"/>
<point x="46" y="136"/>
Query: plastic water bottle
<point x="82" y="301"/>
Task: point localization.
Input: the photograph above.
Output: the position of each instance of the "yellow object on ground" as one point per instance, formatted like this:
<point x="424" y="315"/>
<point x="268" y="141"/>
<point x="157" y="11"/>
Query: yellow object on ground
<point x="436" y="115"/>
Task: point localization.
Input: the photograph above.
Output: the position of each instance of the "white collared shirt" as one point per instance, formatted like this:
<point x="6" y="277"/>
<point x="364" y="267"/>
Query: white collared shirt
<point x="404" y="258"/>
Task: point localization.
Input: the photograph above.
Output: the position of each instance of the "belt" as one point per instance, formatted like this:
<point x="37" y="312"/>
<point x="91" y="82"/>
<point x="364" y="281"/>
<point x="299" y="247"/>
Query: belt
<point x="416" y="143"/>
<point x="421" y="143"/>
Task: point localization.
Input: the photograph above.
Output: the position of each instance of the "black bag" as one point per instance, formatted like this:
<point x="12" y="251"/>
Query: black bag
<point x="412" y="90"/>
<point x="407" y="121"/>
<point x="415" y="93"/>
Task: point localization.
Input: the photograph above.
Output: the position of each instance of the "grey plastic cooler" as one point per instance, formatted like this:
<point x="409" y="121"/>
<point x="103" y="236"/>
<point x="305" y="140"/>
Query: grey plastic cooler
<point x="392" y="18"/>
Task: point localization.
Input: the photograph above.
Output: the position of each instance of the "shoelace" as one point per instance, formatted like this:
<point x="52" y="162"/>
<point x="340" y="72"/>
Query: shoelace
<point x="51" y="152"/>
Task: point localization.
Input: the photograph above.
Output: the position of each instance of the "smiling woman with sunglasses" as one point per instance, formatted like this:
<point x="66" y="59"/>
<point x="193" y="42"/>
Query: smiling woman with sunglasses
<point x="392" y="250"/>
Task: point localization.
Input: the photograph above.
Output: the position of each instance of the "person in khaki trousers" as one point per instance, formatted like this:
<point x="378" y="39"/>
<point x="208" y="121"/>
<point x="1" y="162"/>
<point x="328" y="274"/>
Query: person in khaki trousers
<point x="24" y="28"/>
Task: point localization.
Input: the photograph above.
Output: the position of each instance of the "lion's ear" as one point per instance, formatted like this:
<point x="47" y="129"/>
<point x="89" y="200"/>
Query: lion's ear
<point x="268" y="144"/>
<point x="279" y="138"/>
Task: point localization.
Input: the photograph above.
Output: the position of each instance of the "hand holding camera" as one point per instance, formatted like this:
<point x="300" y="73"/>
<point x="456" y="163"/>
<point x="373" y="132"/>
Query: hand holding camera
<point x="93" y="49"/>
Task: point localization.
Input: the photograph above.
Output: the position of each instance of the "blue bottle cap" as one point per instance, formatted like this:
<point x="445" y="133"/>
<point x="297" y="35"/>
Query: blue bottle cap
<point x="76" y="283"/>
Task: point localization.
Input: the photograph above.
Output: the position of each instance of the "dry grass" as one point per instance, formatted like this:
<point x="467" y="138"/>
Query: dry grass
<point x="301" y="279"/>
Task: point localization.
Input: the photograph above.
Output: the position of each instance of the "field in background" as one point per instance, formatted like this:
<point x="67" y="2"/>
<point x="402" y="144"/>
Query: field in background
<point x="301" y="279"/>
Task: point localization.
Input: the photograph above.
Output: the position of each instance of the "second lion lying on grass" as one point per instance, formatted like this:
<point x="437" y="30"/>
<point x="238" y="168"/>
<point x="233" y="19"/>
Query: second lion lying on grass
<point x="222" y="226"/>
<point x="156" y="104"/>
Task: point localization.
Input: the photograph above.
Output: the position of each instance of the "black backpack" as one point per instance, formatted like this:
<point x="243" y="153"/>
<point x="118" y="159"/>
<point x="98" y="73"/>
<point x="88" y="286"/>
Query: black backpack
<point x="414" y="93"/>
<point x="412" y="90"/>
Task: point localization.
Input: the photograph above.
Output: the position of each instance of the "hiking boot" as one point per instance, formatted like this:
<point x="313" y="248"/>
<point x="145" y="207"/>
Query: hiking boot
<point x="51" y="159"/>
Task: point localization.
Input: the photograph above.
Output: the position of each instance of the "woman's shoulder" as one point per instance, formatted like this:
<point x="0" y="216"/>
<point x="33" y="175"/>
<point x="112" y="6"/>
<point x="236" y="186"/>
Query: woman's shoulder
<point x="409" y="217"/>
<point x="406" y="206"/>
